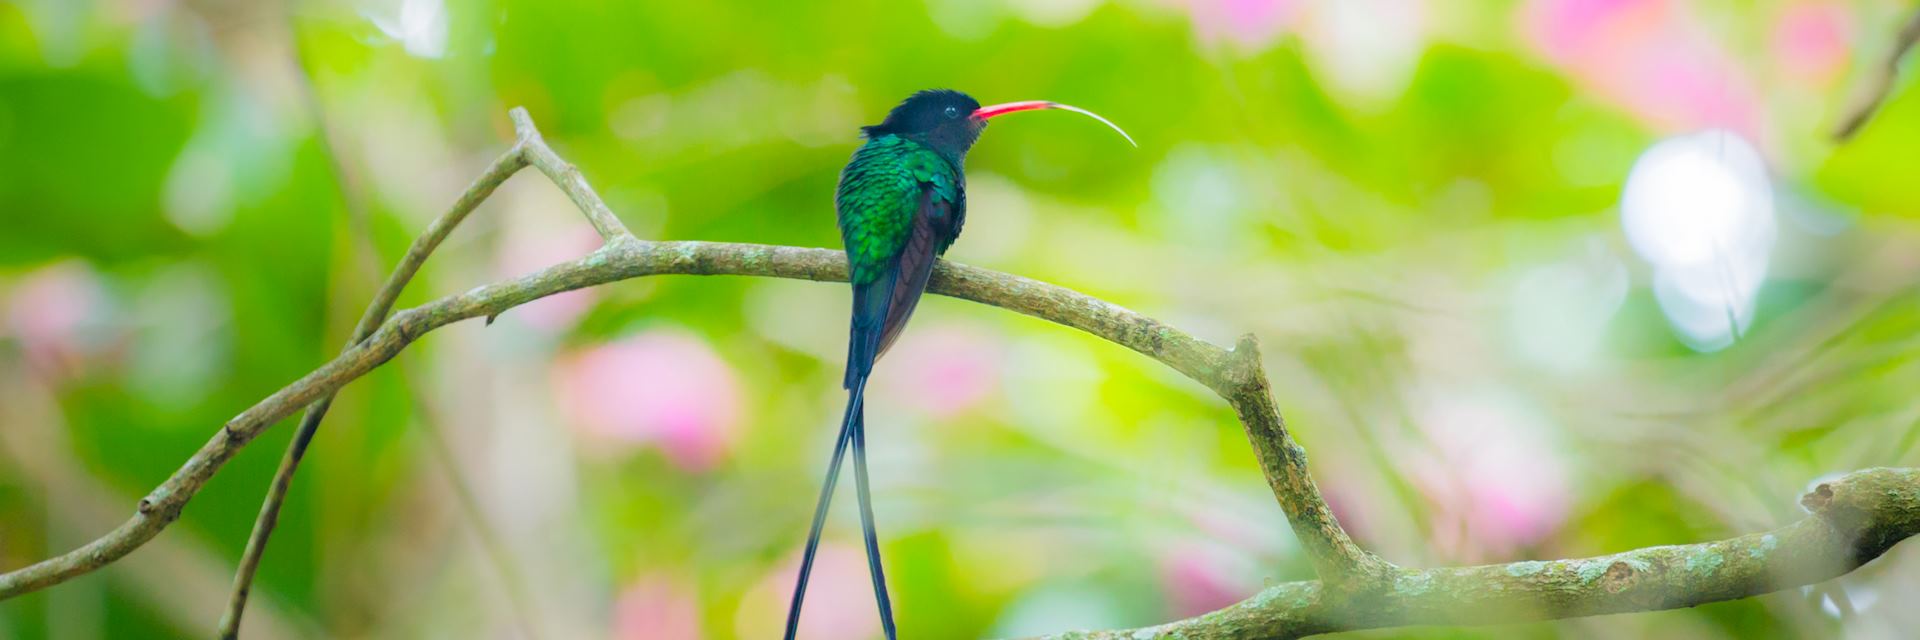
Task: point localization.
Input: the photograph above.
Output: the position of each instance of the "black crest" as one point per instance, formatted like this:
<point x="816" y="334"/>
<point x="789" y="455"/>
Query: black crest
<point x="940" y="118"/>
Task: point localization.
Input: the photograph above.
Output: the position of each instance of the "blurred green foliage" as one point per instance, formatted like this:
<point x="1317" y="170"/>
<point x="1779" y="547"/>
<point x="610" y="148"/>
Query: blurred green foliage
<point x="1413" y="204"/>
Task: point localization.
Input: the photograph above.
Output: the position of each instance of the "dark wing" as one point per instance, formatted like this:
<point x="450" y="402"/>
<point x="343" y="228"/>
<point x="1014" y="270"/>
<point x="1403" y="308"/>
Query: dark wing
<point x="925" y="243"/>
<point x="881" y="308"/>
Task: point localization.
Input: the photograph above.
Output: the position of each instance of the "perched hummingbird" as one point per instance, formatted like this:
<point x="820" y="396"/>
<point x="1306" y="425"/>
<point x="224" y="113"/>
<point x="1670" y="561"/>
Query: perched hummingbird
<point x="901" y="201"/>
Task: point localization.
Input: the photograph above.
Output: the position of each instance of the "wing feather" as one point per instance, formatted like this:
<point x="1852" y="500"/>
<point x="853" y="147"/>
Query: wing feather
<point x="900" y="207"/>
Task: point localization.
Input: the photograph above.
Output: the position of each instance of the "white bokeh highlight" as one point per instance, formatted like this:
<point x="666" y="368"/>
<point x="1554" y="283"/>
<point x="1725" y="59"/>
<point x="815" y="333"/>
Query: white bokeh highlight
<point x="1699" y="209"/>
<point x="420" y="26"/>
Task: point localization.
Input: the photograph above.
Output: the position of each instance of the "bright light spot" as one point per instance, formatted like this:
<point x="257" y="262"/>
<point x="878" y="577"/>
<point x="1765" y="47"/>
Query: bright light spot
<point x="1367" y="48"/>
<point x="1699" y="209"/>
<point x="1691" y="198"/>
<point x="421" y="27"/>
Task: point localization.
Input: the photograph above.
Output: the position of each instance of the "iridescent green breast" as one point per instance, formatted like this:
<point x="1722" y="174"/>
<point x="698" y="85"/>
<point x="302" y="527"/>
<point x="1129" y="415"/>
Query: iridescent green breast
<point x="881" y="191"/>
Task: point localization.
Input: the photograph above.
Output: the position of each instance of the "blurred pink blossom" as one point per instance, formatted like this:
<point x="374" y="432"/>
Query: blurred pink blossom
<point x="1252" y="25"/>
<point x="1654" y="58"/>
<point x="1568" y="30"/>
<point x="1201" y="577"/>
<point x="656" y="607"/>
<point x="1810" y="42"/>
<point x="528" y="250"/>
<point x="662" y="387"/>
<point x="945" y="369"/>
<point x="839" y="604"/>
<point x="1494" y="480"/>
<point x="50" y="310"/>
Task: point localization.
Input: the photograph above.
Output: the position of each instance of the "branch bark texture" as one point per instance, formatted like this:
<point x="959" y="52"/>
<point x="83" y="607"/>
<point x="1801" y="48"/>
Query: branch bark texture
<point x="1853" y="520"/>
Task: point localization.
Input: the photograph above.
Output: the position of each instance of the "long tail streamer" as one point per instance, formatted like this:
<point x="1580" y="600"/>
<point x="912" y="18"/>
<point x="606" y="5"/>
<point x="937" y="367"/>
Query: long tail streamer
<point x="852" y="431"/>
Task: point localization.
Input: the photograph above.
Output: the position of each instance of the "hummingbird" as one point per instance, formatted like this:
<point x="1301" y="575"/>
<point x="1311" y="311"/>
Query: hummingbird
<point x="901" y="202"/>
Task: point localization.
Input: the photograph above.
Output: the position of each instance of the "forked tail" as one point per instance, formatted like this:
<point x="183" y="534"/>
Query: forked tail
<point x="852" y="431"/>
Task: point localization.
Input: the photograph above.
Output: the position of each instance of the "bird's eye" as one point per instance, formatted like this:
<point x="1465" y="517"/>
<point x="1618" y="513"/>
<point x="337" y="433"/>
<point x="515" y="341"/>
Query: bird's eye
<point x="953" y="112"/>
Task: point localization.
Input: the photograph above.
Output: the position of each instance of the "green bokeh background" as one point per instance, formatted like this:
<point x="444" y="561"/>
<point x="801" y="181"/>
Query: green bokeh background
<point x="216" y="187"/>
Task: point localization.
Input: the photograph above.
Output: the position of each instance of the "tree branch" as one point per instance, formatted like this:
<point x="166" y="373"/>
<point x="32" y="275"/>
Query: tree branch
<point x="1856" y="519"/>
<point x="529" y="149"/>
<point x="1339" y="562"/>
<point x="498" y="172"/>
<point x="1880" y="84"/>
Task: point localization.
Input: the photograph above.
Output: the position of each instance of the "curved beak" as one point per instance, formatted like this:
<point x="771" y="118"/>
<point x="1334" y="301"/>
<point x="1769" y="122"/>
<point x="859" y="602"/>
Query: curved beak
<point x="990" y="111"/>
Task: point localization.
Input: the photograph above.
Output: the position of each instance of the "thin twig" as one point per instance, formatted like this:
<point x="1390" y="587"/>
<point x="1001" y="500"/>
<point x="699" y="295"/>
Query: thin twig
<point x="263" y="526"/>
<point x="1855" y="519"/>
<point x="359" y="227"/>
<point x="1880" y="83"/>
<point x="567" y="177"/>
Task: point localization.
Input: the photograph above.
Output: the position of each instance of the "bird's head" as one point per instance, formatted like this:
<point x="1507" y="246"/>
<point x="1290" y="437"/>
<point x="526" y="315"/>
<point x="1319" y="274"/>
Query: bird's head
<point x="950" y="121"/>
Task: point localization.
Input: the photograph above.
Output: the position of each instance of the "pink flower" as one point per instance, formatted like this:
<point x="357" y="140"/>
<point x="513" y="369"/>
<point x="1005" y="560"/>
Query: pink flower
<point x="1252" y="25"/>
<point x="656" y="607"/>
<point x="944" y="369"/>
<point x="663" y="388"/>
<point x="1651" y="57"/>
<point x="51" y="310"/>
<point x="839" y="604"/>
<point x="1492" y="476"/>
<point x="1569" y="30"/>
<point x="1201" y="577"/>
<point x="1810" y="42"/>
